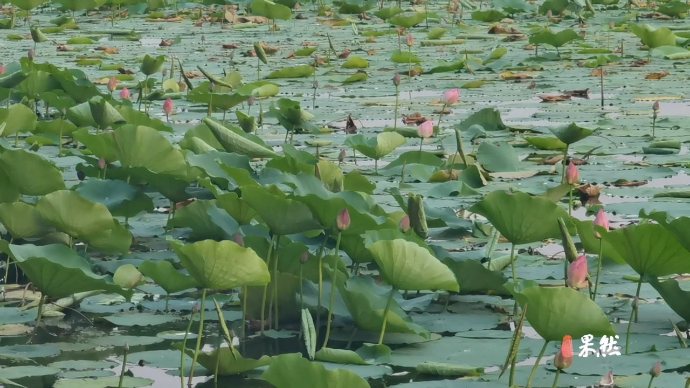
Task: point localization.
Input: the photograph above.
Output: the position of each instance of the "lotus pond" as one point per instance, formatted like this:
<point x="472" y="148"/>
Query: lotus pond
<point x="344" y="193"/>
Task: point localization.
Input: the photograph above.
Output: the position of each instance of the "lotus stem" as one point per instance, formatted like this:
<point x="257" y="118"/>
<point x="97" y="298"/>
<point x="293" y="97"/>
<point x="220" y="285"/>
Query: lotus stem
<point x="198" y="339"/>
<point x="167" y="302"/>
<point x="565" y="163"/>
<point x="438" y="123"/>
<point x="7" y="265"/>
<point x="210" y="105"/>
<point x="124" y="365"/>
<point x="601" y="258"/>
<point x="318" y="308"/>
<point x="601" y="81"/>
<point x="632" y="314"/>
<point x="555" y="379"/>
<point x="184" y="347"/>
<point x="512" y="268"/>
<point x="385" y="315"/>
<point x="60" y="141"/>
<point x="263" y="300"/>
<point x="336" y="256"/>
<point x="409" y="63"/>
<point x="41" y="303"/>
<point x="245" y="291"/>
<point x="536" y="364"/>
<point x="275" y="280"/>
<point x="395" y="114"/>
<point x="570" y="202"/>
<point x="258" y="68"/>
<point x="421" y="143"/>
<point x="651" y="379"/>
<point x="654" y="125"/>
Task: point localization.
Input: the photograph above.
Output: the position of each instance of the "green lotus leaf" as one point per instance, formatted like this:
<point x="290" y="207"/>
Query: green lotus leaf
<point x="407" y="266"/>
<point x="387" y="13"/>
<point x="294" y="371"/>
<point x="569" y="312"/>
<point x="23" y="221"/>
<point x="56" y="127"/>
<point x="407" y="20"/>
<point x="571" y="133"/>
<point x="474" y="277"/>
<point x="546" y="143"/>
<point x="115" y="240"/>
<point x="679" y="227"/>
<point x="128" y="277"/>
<point x="376" y="147"/>
<point x="489" y="119"/>
<point x="405" y="57"/>
<point x="101" y="145"/>
<point x="74" y="215"/>
<point x="13" y="79"/>
<point x="81" y="116"/>
<point x="500" y="157"/>
<point x="270" y="10"/>
<point x="326" y="211"/>
<point x="166" y="276"/>
<point x="650" y="249"/>
<point x="145" y="147"/>
<point x="231" y="361"/>
<point x="36" y="34"/>
<point x="488" y="16"/>
<point x="135" y="117"/>
<point x="676" y="298"/>
<point x="556" y="40"/>
<point x="206" y="220"/>
<point x="259" y="89"/>
<point x="652" y="37"/>
<point x="151" y="65"/>
<point x="222" y="265"/>
<point x="9" y="192"/>
<point x="674" y="8"/>
<point x="30" y="173"/>
<point x="282" y="216"/>
<point x="57" y="271"/>
<point x="235" y="142"/>
<point x="585" y="229"/>
<point x="120" y="198"/>
<point x="18" y="118"/>
<point x="521" y="218"/>
<point x="355" y="62"/>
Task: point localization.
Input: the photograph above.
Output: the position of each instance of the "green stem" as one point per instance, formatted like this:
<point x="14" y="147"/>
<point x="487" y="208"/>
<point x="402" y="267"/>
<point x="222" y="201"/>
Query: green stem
<point x="555" y="379"/>
<point x="60" y="142"/>
<point x="565" y="157"/>
<point x="511" y="376"/>
<point x="275" y="287"/>
<point x="650" y="382"/>
<point x="421" y="142"/>
<point x="336" y="256"/>
<point x="263" y="300"/>
<point x="632" y="313"/>
<point x="601" y="254"/>
<point x="7" y="265"/>
<point x="124" y="366"/>
<point x="570" y="202"/>
<point x="653" y="126"/>
<point x="536" y="364"/>
<point x="198" y="339"/>
<point x="409" y="64"/>
<point x="385" y="315"/>
<point x="301" y="289"/>
<point x="438" y="124"/>
<point x="39" y="315"/>
<point x="245" y="291"/>
<point x="184" y="347"/>
<point x="395" y="114"/>
<point x="512" y="268"/>
<point x="167" y="302"/>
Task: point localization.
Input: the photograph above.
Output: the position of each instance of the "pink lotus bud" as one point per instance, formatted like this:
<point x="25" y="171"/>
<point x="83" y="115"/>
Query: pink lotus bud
<point x="577" y="273"/>
<point x="426" y="130"/>
<point x="238" y="239"/>
<point x="572" y="175"/>
<point x="101" y="163"/>
<point x="196" y="307"/>
<point x="112" y="84"/>
<point x="404" y="224"/>
<point x="655" y="107"/>
<point x="341" y="156"/>
<point x="251" y="100"/>
<point x="3" y="69"/>
<point x="305" y="256"/>
<point x="602" y="221"/>
<point x="342" y="222"/>
<point x="564" y="358"/>
<point x="396" y="80"/>
<point x="31" y="54"/>
<point x="451" y="97"/>
<point x="124" y="94"/>
<point x="410" y="40"/>
<point x="168" y="106"/>
<point x="656" y="369"/>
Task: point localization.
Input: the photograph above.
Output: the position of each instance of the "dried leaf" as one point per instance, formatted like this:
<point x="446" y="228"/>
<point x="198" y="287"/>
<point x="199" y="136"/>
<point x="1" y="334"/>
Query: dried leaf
<point x="230" y="46"/>
<point x="589" y="195"/>
<point x="555" y="98"/>
<point x="511" y="76"/>
<point x="415" y="118"/>
<point x="166" y="42"/>
<point x="583" y="93"/>
<point x="657" y="76"/>
<point x="346" y="53"/>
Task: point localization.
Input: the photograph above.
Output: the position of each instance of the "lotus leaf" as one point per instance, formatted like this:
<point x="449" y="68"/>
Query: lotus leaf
<point x="585" y="229"/>
<point x="556" y="40"/>
<point x="145" y="147"/>
<point x="207" y="221"/>
<point x="151" y="65"/>
<point x="166" y="276"/>
<point x="283" y="216"/>
<point x="18" y="118"/>
<point x="104" y="114"/>
<point x="230" y="363"/>
<point x="408" y="20"/>
<point x="23" y="221"/>
<point x="128" y="277"/>
<point x="270" y="10"/>
<point x="676" y="297"/>
<point x="376" y="147"/>
<point x="29" y="173"/>
<point x="571" y="133"/>
<point x="237" y="143"/>
<point x="500" y="157"/>
<point x="294" y="371"/>
<point x="120" y="198"/>
<point x="652" y="37"/>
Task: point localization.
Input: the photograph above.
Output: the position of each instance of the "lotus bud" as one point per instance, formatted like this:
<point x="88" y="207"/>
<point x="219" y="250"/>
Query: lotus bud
<point x="636" y="302"/>
<point x="410" y="40"/>
<point x="415" y="209"/>
<point x="182" y="85"/>
<point x="212" y="87"/>
<point x="238" y="239"/>
<point x="31" y="54"/>
<point x="315" y="84"/>
<point x="305" y="256"/>
<point x="400" y="31"/>
<point x="126" y="346"/>
<point x="341" y="156"/>
<point x="655" y="107"/>
<point x="451" y="96"/>
<point x="656" y="369"/>
<point x="577" y="273"/>
<point x="112" y="84"/>
<point x="404" y="224"/>
<point x="251" y="100"/>
<point x="124" y="94"/>
<point x="196" y="308"/>
<point x="606" y="380"/>
<point x="426" y="130"/>
<point x="564" y="358"/>
<point x="165" y="73"/>
<point x="602" y="221"/>
<point x="168" y="106"/>
<point x="101" y="163"/>
<point x="396" y="80"/>
<point x="203" y="39"/>
<point x="572" y="174"/>
<point x="549" y="14"/>
<point x="342" y="222"/>
<point x="3" y="69"/>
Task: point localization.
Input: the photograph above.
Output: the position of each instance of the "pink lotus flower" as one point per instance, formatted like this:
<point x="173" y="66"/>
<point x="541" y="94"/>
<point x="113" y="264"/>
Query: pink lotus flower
<point x="342" y="222"/>
<point x="564" y="357"/>
<point x="602" y="221"/>
<point x="410" y="40"/>
<point x="426" y="130"/>
<point x="577" y="273"/>
<point x="3" y="69"/>
<point x="656" y="369"/>
<point x="124" y="94"/>
<point x="451" y="96"/>
<point x="572" y="174"/>
<point x="112" y="84"/>
<point x="404" y="224"/>
<point x="168" y="107"/>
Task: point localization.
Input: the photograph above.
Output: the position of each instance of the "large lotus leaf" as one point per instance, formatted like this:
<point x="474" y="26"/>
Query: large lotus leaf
<point x="27" y="5"/>
<point x="232" y="204"/>
<point x="474" y="277"/>
<point x="407" y="266"/>
<point x="557" y="312"/>
<point x="650" y="249"/>
<point x="270" y="10"/>
<point x="18" y="118"/>
<point x="674" y="8"/>
<point x="23" y="221"/>
<point x="80" y="115"/>
<point x="408" y="20"/>
<point x="151" y="65"/>
<point x="139" y="118"/>
<point x="571" y="133"/>
<point x="283" y="216"/>
<point x="103" y="113"/>
<point x="652" y="37"/>
<point x="366" y="304"/>
<point x="679" y="227"/>
<point x="119" y="197"/>
<point x="585" y="229"/>
<point x="206" y="220"/>
<point x="556" y="40"/>
<point x="294" y="371"/>
<point x="488" y="118"/>
<point x="237" y="143"/>
<point x="222" y="265"/>
<point x="376" y="147"/>
<point x="500" y="157"/>
<point x="327" y="210"/>
<point x="56" y="127"/>
<point x="30" y="173"/>
<point x="675" y="297"/>
<point x="521" y="218"/>
<point x="57" y="271"/>
<point x="9" y="192"/>
<point x="166" y="276"/>
<point x="116" y="240"/>
<point x="231" y="362"/>
<point x="292" y="72"/>
<point x="75" y="215"/>
<point x="145" y="147"/>
<point x="101" y="145"/>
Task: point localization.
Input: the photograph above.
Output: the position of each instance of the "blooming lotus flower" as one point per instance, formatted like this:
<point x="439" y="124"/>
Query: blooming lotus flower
<point x="564" y="358"/>
<point x="410" y="40"/>
<point x="602" y="221"/>
<point x="404" y="224"/>
<point x="577" y="273"/>
<point x="572" y="174"/>
<point x="239" y="240"/>
<point x="112" y="84"/>
<point x="124" y="94"/>
<point x="426" y="130"/>
<point x="168" y="107"/>
<point x="656" y="369"/>
<point x="342" y="222"/>
<point x="451" y="96"/>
